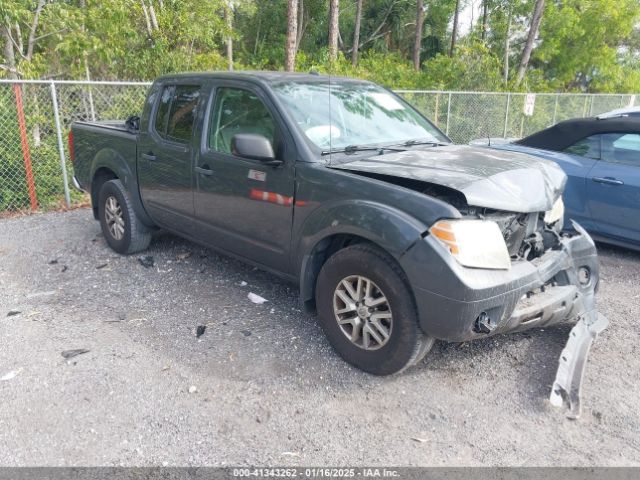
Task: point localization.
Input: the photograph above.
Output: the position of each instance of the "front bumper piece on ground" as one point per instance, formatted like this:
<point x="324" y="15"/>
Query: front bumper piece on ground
<point x="573" y="360"/>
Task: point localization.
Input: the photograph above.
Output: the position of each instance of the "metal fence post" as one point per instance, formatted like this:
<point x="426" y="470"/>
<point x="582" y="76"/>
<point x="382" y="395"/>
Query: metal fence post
<point x="448" y="114"/>
<point x="26" y="151"/>
<point x="506" y="116"/>
<point x="63" y="165"/>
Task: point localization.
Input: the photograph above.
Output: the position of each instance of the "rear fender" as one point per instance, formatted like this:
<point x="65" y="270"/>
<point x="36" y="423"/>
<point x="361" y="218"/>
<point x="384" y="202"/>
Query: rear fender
<point x="125" y="171"/>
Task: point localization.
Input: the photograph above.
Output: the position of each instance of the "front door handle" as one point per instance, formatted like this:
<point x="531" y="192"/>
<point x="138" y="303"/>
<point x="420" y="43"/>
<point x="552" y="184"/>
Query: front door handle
<point x="204" y="170"/>
<point x="149" y="156"/>
<point x="608" y="180"/>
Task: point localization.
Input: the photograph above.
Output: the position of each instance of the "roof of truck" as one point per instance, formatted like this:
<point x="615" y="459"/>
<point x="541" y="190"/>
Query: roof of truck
<point x="564" y="134"/>
<point x="270" y="77"/>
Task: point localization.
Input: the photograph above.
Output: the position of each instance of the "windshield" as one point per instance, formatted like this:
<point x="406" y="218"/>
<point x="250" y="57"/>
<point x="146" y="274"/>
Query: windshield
<point x="337" y="115"/>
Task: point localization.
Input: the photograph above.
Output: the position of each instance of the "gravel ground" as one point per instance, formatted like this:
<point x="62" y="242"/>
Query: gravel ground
<point x="268" y="388"/>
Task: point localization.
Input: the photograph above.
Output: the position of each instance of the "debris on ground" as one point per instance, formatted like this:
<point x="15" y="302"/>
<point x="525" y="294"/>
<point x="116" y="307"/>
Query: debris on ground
<point x="256" y="298"/>
<point x="243" y="283"/>
<point x="183" y="256"/>
<point x="246" y="333"/>
<point x="193" y="389"/>
<point x="11" y="375"/>
<point x="13" y="313"/>
<point x="418" y="439"/>
<point x="146" y="261"/>
<point x="200" y="330"/>
<point x="290" y="454"/>
<point x="53" y="262"/>
<point x="64" y="268"/>
<point x="101" y="266"/>
<point x="41" y="294"/>
<point x="74" y="353"/>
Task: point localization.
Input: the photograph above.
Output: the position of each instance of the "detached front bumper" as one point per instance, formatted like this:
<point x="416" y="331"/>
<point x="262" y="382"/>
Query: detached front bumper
<point x="458" y="304"/>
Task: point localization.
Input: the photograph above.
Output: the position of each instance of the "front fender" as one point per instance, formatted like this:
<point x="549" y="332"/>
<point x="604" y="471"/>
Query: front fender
<point x="392" y="230"/>
<point x="389" y="228"/>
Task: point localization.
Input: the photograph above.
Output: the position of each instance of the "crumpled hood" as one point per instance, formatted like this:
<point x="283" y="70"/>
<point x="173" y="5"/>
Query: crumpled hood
<point x="496" y="179"/>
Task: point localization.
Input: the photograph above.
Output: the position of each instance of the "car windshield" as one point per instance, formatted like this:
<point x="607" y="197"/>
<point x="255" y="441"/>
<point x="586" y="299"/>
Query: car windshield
<point x="338" y="115"/>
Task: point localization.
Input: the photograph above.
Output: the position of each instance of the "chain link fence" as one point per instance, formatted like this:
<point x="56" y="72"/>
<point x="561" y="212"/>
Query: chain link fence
<point x="35" y="116"/>
<point x="466" y="116"/>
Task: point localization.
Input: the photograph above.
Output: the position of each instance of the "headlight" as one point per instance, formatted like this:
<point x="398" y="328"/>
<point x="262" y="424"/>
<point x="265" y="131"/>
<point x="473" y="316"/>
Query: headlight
<point x="474" y="243"/>
<point x="556" y="212"/>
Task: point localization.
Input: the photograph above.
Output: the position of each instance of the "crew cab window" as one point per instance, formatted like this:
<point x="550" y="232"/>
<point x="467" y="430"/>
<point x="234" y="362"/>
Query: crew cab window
<point x="587" y="147"/>
<point x="238" y="111"/>
<point x="176" y="112"/>
<point x="621" y="148"/>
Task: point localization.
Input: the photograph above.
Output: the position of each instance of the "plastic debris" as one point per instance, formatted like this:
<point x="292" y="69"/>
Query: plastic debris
<point x="11" y="375"/>
<point x="146" y="261"/>
<point x="193" y="389"/>
<point x="243" y="283"/>
<point x="13" y="313"/>
<point x="256" y="298"/>
<point x="200" y="330"/>
<point x="74" y="353"/>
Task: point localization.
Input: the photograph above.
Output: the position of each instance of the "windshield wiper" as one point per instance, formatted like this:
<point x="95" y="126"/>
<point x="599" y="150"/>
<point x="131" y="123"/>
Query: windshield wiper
<point x="349" y="149"/>
<point x="411" y="143"/>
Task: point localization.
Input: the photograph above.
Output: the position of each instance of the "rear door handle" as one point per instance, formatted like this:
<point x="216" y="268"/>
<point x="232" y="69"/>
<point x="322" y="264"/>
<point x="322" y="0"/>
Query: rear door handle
<point x="149" y="156"/>
<point x="608" y="180"/>
<point x="204" y="170"/>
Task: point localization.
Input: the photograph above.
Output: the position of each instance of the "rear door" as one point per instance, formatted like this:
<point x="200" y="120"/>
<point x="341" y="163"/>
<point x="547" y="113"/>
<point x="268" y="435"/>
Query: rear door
<point x="614" y="187"/>
<point x="244" y="205"/>
<point x="165" y="155"/>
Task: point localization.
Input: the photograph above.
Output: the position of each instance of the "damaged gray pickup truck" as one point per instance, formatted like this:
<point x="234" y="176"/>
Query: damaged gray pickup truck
<point x="395" y="236"/>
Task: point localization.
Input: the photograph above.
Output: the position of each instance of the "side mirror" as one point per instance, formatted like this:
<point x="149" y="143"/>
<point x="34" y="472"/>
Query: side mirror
<point x="257" y="147"/>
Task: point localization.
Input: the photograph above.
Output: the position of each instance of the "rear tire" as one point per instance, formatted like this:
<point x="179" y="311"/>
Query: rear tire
<point x="367" y="311"/>
<point x="120" y="226"/>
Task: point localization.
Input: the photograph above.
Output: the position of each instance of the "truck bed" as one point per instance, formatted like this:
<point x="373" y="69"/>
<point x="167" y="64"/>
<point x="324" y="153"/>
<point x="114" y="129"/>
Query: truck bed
<point x="111" y="139"/>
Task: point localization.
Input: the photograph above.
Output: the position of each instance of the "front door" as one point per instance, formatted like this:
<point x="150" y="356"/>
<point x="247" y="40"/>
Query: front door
<point x="614" y="187"/>
<point x="165" y="156"/>
<point x="245" y="206"/>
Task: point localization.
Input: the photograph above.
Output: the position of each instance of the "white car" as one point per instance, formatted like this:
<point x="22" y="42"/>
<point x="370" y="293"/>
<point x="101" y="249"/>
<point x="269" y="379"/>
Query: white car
<point x="621" y="112"/>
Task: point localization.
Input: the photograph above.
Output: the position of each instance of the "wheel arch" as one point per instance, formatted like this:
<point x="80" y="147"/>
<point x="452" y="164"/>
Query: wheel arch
<point x="110" y="165"/>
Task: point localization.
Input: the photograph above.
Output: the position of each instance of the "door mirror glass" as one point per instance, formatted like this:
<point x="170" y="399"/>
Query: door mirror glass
<point x="252" y="145"/>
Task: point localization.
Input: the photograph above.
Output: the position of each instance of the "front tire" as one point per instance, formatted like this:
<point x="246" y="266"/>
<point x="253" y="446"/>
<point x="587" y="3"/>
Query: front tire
<point x="367" y="311"/>
<point x="120" y="226"/>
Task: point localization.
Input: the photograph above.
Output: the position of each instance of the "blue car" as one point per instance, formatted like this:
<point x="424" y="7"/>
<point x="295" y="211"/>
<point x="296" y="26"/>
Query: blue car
<point x="601" y="157"/>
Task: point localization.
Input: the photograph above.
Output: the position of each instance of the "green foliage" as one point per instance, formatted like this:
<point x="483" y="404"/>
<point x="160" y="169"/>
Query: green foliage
<point x="583" y="45"/>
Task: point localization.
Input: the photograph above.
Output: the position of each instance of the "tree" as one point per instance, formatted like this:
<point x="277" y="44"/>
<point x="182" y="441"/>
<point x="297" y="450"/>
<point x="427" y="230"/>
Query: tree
<point x="356" y="34"/>
<point x="531" y="36"/>
<point x="334" y="15"/>
<point x="292" y="35"/>
<point x="454" y="30"/>
<point x="485" y="17"/>
<point x="417" y="42"/>
<point x="228" y="16"/>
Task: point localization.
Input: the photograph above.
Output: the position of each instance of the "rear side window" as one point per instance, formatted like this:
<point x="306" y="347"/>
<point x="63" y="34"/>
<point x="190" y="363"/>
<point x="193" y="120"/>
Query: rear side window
<point x="621" y="148"/>
<point x="176" y="112"/>
<point x="588" y="147"/>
